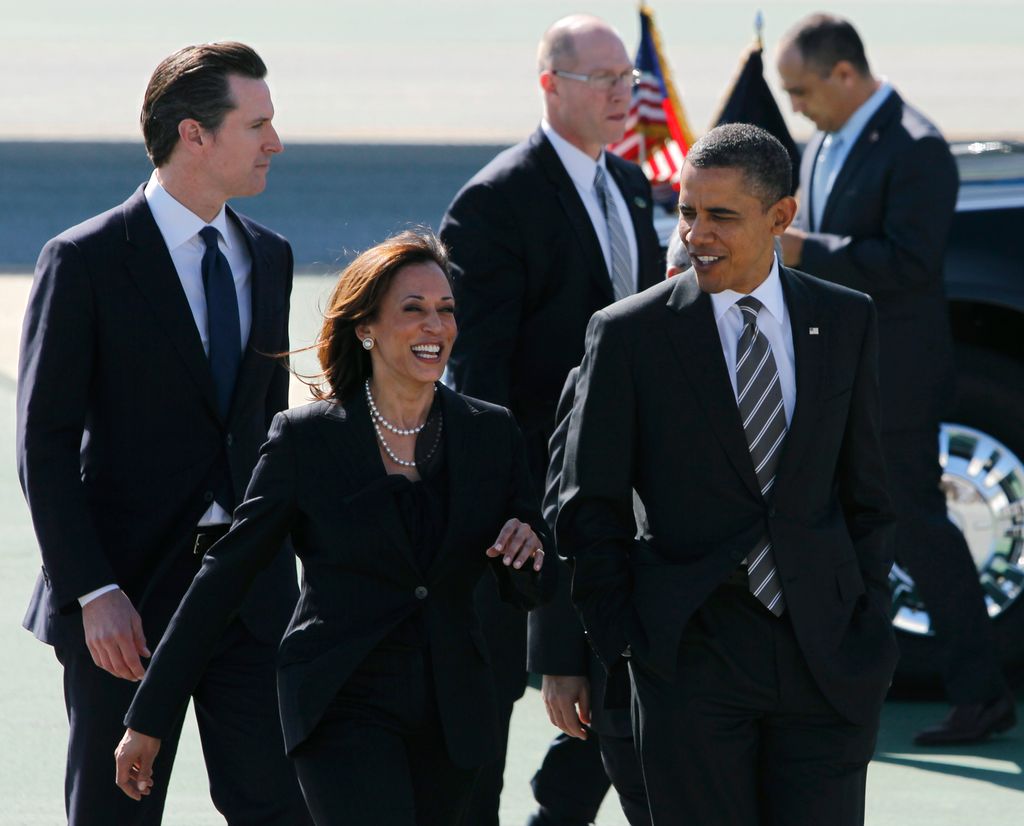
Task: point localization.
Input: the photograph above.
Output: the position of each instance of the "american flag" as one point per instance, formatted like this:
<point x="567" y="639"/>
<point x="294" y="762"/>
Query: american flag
<point x="657" y="134"/>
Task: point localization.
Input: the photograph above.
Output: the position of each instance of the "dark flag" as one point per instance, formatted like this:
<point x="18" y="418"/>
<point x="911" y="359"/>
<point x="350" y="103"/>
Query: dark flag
<point x="749" y="100"/>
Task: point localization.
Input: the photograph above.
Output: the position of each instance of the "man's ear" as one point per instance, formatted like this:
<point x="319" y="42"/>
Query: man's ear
<point x="547" y="82"/>
<point x="844" y="73"/>
<point x="191" y="135"/>
<point x="782" y="212"/>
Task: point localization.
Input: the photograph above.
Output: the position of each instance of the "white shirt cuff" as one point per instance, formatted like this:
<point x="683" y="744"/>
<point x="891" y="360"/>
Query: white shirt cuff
<point x="83" y="601"/>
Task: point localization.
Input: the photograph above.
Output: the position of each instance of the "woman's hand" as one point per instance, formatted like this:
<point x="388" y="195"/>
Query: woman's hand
<point x="134" y="756"/>
<point x="517" y="543"/>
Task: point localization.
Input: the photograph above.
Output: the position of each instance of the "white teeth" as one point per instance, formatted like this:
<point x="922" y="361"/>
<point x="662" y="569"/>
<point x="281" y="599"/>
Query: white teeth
<point x="428" y="349"/>
<point x="707" y="259"/>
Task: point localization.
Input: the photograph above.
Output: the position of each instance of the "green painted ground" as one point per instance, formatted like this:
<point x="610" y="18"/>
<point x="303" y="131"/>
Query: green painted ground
<point x="950" y="787"/>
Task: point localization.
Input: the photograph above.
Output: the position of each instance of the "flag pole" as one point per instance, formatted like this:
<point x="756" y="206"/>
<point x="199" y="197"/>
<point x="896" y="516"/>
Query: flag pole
<point x="759" y="29"/>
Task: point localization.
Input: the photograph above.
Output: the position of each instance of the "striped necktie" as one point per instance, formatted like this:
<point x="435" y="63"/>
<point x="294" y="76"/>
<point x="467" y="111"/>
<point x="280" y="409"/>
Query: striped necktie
<point x="759" y="396"/>
<point x="621" y="269"/>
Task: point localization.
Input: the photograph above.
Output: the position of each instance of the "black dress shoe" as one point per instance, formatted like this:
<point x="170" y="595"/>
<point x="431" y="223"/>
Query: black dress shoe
<point x="972" y="723"/>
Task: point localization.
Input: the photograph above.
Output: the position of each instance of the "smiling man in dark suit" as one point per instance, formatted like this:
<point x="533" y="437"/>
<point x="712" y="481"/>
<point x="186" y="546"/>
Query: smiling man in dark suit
<point x="878" y="189"/>
<point x="548" y="232"/>
<point x="739" y="400"/>
<point x="146" y="387"/>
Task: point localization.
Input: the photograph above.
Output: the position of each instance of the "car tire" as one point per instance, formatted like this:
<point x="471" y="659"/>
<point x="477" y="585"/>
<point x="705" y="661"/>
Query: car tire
<point x="989" y="405"/>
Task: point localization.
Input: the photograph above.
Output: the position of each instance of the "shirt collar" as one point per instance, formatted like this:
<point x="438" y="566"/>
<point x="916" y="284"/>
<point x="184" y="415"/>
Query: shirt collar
<point x="850" y="131"/>
<point x="580" y="166"/>
<point x="768" y="292"/>
<point x="176" y="222"/>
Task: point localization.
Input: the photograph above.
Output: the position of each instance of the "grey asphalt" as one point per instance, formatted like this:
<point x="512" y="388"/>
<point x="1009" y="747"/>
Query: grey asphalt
<point x="982" y="784"/>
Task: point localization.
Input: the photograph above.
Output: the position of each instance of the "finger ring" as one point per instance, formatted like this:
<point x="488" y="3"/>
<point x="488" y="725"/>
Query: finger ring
<point x="538" y="551"/>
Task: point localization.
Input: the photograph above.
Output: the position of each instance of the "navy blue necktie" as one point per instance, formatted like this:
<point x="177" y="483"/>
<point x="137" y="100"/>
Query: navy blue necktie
<point x="223" y="326"/>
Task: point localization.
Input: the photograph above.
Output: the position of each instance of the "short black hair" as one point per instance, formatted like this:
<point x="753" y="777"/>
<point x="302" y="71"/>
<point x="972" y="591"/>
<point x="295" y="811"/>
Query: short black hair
<point x="757" y="153"/>
<point x="193" y="83"/>
<point x="824" y="39"/>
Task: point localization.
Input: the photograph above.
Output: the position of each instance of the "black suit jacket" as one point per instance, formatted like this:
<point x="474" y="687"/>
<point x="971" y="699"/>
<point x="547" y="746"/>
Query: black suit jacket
<point x="119" y="436"/>
<point x="655" y="412"/>
<point x="884" y="232"/>
<point x="528" y="273"/>
<point x="556" y="641"/>
<point x="320" y="478"/>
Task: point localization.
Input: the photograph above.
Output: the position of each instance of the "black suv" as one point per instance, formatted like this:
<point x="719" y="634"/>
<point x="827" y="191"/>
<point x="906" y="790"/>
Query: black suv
<point x="981" y="443"/>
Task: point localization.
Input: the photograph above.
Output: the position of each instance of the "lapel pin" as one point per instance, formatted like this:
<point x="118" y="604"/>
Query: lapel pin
<point x="812" y="330"/>
<point x="640" y="201"/>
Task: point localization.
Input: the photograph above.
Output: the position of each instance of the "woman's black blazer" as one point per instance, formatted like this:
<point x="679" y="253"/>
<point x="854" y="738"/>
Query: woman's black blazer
<point x="320" y="479"/>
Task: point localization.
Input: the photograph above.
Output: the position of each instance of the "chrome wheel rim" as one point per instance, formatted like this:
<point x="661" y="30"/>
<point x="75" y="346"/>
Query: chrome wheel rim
<point x="984" y="485"/>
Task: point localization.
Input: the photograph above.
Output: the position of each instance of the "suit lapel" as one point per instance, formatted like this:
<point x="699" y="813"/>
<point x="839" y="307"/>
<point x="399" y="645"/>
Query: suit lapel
<point x="639" y="205"/>
<point x="264" y="332"/>
<point x="152" y="269"/>
<point x="458" y="428"/>
<point x="810" y="340"/>
<point x="575" y="212"/>
<point x="348" y="432"/>
<point x="698" y="347"/>
<point x="861" y="151"/>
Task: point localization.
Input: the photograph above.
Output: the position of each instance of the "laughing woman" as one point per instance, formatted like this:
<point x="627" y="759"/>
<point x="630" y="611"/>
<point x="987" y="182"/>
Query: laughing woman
<point x="397" y="494"/>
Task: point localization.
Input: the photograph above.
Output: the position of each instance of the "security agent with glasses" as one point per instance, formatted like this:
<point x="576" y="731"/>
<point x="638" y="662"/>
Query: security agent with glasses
<point x="547" y="233"/>
<point x="878" y="190"/>
<point x="144" y="394"/>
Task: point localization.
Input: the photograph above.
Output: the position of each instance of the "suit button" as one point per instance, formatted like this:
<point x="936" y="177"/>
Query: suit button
<point x="421" y="592"/>
<point x="771" y="513"/>
<point x="230" y="440"/>
<point x="208" y="496"/>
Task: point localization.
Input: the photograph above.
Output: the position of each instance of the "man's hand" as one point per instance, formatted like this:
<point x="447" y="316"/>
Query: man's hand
<point x="134" y="757"/>
<point x="113" y="632"/>
<point x="792" y="246"/>
<point x="518" y="543"/>
<point x="562" y="696"/>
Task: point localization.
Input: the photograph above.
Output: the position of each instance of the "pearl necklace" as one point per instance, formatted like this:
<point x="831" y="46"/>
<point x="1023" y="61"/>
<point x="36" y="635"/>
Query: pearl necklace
<point x="379" y="417"/>
<point x="375" y="416"/>
<point x="389" y="451"/>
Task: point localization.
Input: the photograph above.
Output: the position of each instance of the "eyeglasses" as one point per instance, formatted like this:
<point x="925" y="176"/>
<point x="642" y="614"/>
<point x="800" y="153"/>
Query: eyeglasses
<point x="603" y="81"/>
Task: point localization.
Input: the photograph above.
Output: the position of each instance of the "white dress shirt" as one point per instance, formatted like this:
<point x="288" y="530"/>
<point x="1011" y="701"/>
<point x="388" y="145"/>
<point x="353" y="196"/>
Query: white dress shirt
<point x="772" y="320"/>
<point x="582" y="169"/>
<point x="180" y="227"/>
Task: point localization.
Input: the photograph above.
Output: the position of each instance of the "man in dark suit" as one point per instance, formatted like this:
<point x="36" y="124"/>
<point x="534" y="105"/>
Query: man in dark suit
<point x="879" y="188"/>
<point x="739" y="400"/>
<point x="146" y="387"/>
<point x="577" y="693"/>
<point x="548" y="232"/>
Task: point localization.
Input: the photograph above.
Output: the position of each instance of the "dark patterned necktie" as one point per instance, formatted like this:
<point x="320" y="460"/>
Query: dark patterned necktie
<point x="223" y="326"/>
<point x="622" y="270"/>
<point x="759" y="396"/>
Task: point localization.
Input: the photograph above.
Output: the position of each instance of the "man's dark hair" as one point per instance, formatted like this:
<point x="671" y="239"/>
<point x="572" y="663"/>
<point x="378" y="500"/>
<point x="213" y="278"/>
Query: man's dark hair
<point x="758" y="154"/>
<point x="824" y="39"/>
<point x="193" y="83"/>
